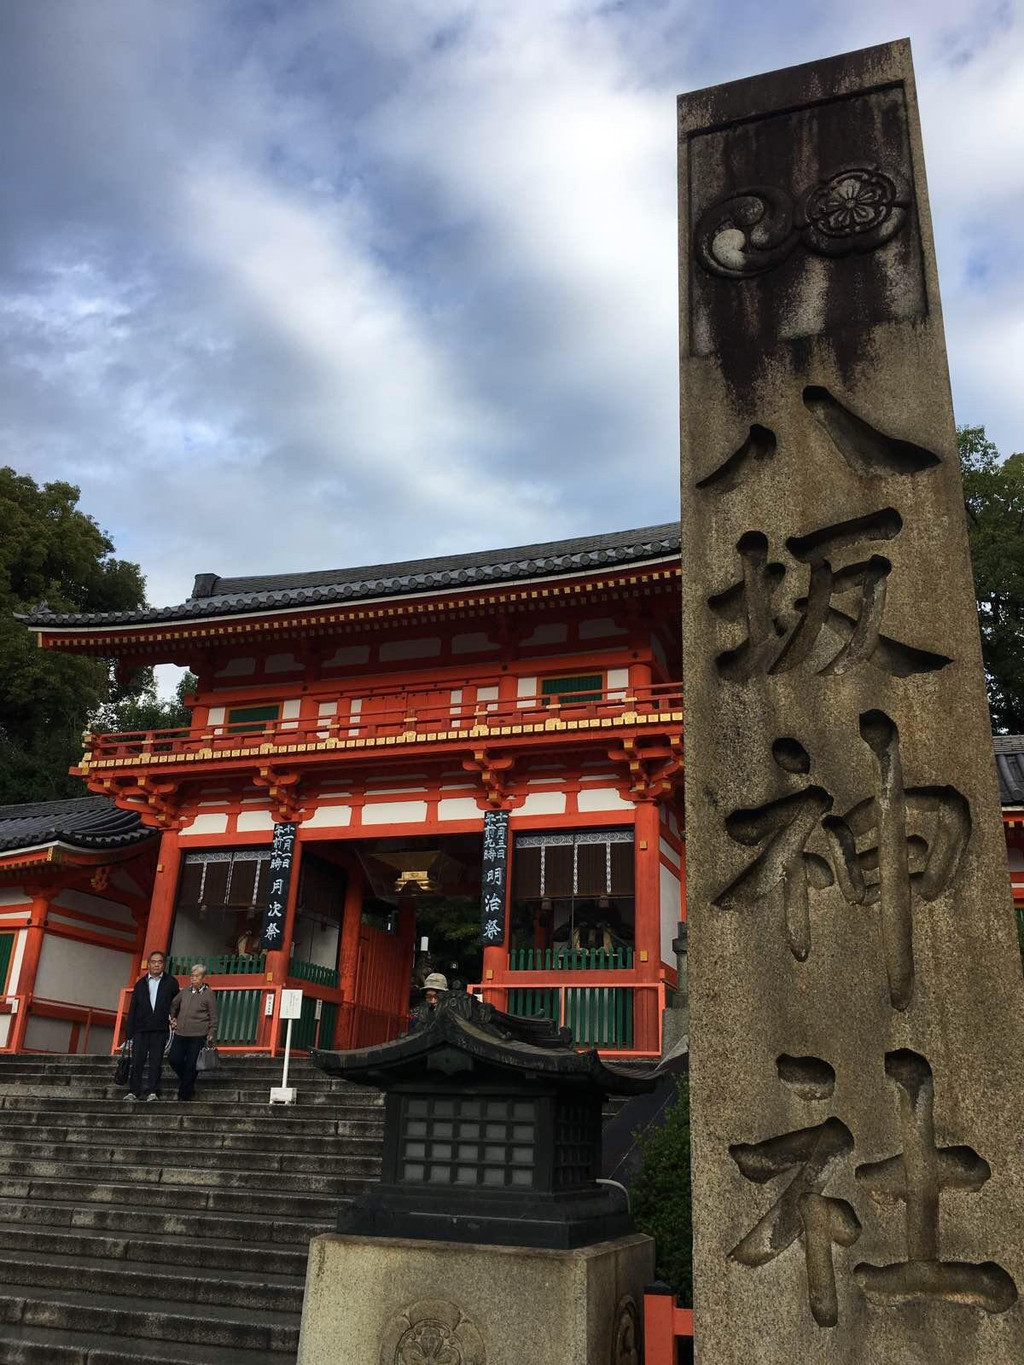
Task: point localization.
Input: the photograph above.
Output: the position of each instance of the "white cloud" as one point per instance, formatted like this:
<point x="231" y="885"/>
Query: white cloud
<point x="306" y="285"/>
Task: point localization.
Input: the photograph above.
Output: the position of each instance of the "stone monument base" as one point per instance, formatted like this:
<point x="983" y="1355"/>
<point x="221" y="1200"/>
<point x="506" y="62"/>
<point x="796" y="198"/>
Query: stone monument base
<point x="397" y="1301"/>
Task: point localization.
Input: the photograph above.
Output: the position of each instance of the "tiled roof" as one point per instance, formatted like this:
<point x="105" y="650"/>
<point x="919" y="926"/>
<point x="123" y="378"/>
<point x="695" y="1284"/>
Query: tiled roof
<point x="1010" y="767"/>
<point x="215" y="596"/>
<point x="88" y="822"/>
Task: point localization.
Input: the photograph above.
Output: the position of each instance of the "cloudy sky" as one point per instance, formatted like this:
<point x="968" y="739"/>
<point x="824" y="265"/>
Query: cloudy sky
<point x="307" y="284"/>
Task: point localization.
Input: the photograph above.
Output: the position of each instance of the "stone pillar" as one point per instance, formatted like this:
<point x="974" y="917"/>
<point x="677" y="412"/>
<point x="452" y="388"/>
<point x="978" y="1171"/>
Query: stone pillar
<point x="857" y="1034"/>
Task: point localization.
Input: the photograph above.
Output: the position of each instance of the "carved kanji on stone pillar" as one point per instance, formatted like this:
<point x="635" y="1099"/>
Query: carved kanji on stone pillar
<point x="847" y="889"/>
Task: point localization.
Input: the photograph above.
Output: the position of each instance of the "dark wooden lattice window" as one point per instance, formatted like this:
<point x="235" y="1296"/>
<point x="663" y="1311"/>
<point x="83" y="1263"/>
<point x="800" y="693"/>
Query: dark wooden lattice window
<point x="582" y="687"/>
<point x="246" y="720"/>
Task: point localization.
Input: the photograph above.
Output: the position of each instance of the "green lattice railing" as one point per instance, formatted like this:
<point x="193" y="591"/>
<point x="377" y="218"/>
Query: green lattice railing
<point x="570" y="959"/>
<point x="599" y="1016"/>
<point x="238" y="1016"/>
<point x="314" y="973"/>
<point x="308" y="1031"/>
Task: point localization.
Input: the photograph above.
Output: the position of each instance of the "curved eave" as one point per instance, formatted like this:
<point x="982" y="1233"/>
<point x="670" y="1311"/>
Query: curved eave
<point x="169" y="635"/>
<point x="376" y="1065"/>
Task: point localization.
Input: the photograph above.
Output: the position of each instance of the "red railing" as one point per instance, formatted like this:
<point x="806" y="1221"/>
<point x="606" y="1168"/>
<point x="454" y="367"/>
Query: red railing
<point x="82" y="1018"/>
<point x="376" y="722"/>
<point x="665" y="1323"/>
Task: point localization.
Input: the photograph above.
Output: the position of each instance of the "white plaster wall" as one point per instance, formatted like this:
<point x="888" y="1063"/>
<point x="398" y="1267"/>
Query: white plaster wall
<point x="550" y="633"/>
<point x="601" y="798"/>
<point x="81" y="973"/>
<point x="207" y="824"/>
<point x="399" y="812"/>
<point x="14" y="895"/>
<point x="458" y="808"/>
<point x="237" y="668"/>
<point x="427" y="648"/>
<point x="101" y="1041"/>
<point x="542" y="803"/>
<point x="48" y="1035"/>
<point x="1016" y="858"/>
<point x="526" y="691"/>
<point x="618" y="682"/>
<point x="254" y="819"/>
<point x="282" y="663"/>
<point x="669" y="852"/>
<point x="5" y="1028"/>
<point x="95" y="905"/>
<point x="600" y="627"/>
<point x="477" y="642"/>
<point x="348" y="656"/>
<point x="659" y="652"/>
<point x="324" y="817"/>
<point x="671" y="910"/>
<point x="16" y="959"/>
<point x="290" y="713"/>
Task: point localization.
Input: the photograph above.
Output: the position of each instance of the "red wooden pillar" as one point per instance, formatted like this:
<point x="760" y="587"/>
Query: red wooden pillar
<point x="647" y="924"/>
<point x="348" y="953"/>
<point x="165" y="886"/>
<point x="35" y="933"/>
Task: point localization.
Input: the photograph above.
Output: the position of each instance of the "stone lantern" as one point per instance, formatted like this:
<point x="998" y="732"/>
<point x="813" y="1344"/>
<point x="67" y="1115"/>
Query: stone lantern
<point x="492" y="1132"/>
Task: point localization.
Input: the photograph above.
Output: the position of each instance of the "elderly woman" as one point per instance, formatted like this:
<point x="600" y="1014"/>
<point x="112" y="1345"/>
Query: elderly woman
<point x="194" y="1022"/>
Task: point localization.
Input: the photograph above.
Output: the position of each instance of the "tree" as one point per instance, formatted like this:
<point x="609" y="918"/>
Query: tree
<point x="147" y="711"/>
<point x="52" y="551"/>
<point x="994" y="497"/>
<point x="660" y="1194"/>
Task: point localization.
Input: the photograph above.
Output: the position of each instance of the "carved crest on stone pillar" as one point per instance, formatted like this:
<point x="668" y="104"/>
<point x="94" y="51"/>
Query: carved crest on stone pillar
<point x="432" y="1332"/>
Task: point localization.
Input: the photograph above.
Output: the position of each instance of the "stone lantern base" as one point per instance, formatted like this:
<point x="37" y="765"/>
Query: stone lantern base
<point x="400" y="1301"/>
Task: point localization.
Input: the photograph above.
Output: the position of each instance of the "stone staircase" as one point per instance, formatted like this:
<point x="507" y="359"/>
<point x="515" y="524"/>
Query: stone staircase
<point x="166" y="1233"/>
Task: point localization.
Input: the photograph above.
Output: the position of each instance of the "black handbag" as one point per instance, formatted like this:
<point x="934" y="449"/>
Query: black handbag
<point x="123" y="1070"/>
<point x="208" y="1060"/>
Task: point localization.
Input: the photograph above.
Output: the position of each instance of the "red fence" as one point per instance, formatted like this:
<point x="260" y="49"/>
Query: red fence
<point x="665" y="1326"/>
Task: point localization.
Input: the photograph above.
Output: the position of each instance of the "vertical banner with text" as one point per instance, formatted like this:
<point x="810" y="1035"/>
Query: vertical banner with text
<point x="494" y="879"/>
<point x="282" y="852"/>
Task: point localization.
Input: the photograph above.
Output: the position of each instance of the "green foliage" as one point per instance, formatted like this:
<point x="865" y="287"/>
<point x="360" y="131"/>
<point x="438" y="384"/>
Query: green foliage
<point x="147" y="711"/>
<point x="660" y="1194"/>
<point x="51" y="551"/>
<point x="994" y="497"/>
<point x="452" y="923"/>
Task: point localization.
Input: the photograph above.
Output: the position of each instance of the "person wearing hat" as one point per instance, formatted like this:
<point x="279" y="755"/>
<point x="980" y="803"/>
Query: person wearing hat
<point x="433" y="987"/>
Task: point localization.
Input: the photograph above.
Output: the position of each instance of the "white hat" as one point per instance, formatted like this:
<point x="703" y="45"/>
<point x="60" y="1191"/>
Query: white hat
<point x="435" y="982"/>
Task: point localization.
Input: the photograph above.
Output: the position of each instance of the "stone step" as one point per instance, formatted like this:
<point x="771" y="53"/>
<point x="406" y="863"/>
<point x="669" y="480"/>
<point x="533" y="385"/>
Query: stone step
<point x="46" y="1346"/>
<point x="192" y="1178"/>
<point x="323" y="1208"/>
<point x="204" y="1253"/>
<point x="169" y="1286"/>
<point x="312" y="1108"/>
<point x="360" y="1138"/>
<point x="77" y="1310"/>
<point x="135" y="1126"/>
<point x="91" y="1216"/>
<point x="211" y="1095"/>
<point x="361" y="1160"/>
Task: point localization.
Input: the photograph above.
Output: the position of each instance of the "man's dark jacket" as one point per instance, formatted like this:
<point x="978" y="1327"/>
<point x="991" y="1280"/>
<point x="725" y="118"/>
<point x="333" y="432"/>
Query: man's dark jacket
<point x="142" y="1018"/>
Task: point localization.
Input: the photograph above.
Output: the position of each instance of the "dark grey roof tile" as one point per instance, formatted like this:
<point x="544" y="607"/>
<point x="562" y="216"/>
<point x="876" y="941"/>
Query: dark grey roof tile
<point x="88" y="822"/>
<point x="215" y="596"/>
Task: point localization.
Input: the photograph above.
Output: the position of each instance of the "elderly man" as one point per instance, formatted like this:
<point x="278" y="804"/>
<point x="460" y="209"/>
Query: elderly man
<point x="194" y="1021"/>
<point x="147" y="1026"/>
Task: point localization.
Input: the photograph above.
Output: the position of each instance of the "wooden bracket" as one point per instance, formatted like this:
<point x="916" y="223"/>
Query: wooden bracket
<point x="655" y="770"/>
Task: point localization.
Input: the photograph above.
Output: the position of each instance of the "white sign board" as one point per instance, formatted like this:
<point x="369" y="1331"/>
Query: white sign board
<point x="291" y="1004"/>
